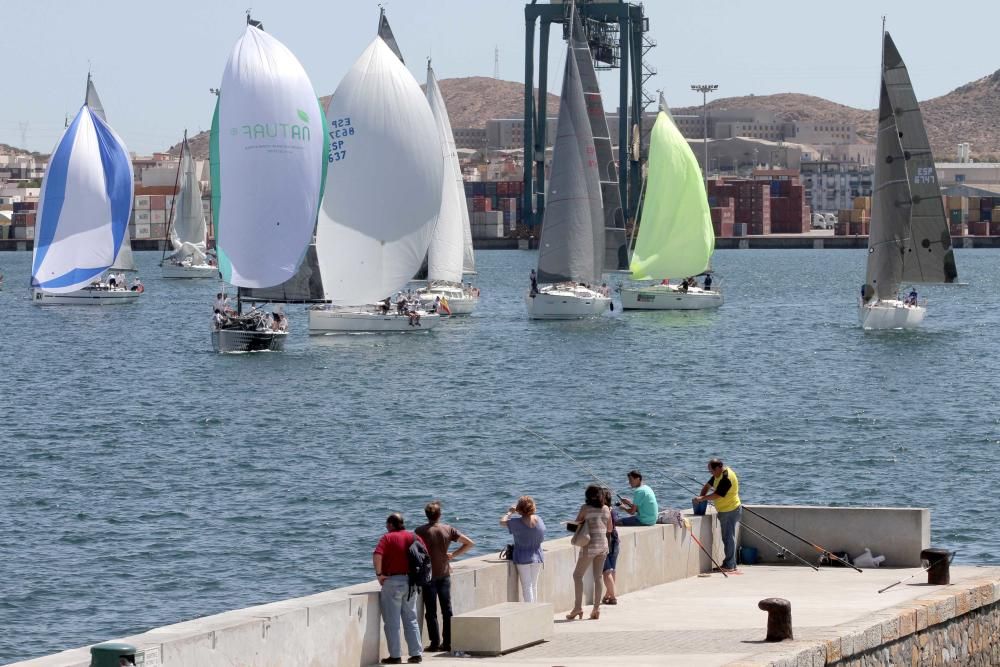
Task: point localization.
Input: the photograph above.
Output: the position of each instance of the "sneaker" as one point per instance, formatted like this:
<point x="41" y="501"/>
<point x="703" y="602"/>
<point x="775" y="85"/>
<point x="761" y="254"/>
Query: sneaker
<point x="415" y="659"/>
<point x="433" y="648"/>
<point x="391" y="661"/>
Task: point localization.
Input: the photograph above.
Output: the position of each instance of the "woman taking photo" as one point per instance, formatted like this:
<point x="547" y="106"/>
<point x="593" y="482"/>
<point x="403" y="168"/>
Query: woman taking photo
<point x="598" y="519"/>
<point x="528" y="530"/>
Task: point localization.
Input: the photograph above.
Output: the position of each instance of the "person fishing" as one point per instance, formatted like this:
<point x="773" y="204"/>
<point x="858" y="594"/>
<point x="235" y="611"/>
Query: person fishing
<point x="723" y="490"/>
<point x="642" y="508"/>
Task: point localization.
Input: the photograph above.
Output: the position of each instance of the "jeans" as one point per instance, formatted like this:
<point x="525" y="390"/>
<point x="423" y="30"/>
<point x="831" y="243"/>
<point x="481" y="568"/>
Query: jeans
<point x="395" y="606"/>
<point x="727" y="524"/>
<point x="438" y="590"/>
<point x="632" y="520"/>
<point x="527" y="574"/>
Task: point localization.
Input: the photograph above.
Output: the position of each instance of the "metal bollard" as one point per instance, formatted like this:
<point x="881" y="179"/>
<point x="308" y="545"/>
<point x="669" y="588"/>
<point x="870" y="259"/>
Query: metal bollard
<point x="779" y="618"/>
<point x="112" y="654"/>
<point x="938" y="566"/>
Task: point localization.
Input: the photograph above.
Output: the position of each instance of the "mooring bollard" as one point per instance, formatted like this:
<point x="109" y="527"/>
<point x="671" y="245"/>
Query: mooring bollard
<point x="779" y="618"/>
<point x="938" y="566"/>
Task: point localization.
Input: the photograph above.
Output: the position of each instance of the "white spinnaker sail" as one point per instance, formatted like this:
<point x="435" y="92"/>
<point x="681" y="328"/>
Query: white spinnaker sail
<point x="187" y="229"/>
<point x="84" y="206"/>
<point x="269" y="145"/>
<point x="446" y="255"/>
<point x="384" y="182"/>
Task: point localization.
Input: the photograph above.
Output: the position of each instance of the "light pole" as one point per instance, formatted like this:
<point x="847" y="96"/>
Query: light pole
<point x="705" y="89"/>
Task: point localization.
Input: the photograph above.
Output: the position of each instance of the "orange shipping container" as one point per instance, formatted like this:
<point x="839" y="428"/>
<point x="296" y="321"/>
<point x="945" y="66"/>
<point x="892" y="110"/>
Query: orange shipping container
<point x="157" y="202"/>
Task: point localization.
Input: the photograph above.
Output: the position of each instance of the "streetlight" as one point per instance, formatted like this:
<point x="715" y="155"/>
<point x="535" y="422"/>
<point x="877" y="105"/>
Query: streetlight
<point x="705" y="89"/>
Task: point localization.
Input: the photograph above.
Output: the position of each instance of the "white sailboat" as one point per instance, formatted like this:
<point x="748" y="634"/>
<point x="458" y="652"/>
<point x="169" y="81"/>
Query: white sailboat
<point x="909" y="239"/>
<point x="268" y="161"/>
<point x="675" y="238"/>
<point x="84" y="210"/>
<point x="450" y="251"/>
<point x="571" y="251"/>
<point x="383" y="195"/>
<point x="187" y="225"/>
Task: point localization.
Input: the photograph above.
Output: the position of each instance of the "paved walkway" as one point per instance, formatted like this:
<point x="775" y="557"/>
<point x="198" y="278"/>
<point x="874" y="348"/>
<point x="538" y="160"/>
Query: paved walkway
<point x="707" y="621"/>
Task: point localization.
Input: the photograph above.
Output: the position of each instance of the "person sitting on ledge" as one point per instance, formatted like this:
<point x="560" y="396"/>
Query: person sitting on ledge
<point x="642" y="508"/>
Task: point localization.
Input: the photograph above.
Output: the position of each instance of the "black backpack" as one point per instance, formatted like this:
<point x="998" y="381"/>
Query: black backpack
<point x="419" y="562"/>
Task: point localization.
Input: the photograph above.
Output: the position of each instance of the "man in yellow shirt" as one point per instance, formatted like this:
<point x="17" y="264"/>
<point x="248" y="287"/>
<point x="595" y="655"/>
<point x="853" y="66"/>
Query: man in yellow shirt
<point x="724" y="492"/>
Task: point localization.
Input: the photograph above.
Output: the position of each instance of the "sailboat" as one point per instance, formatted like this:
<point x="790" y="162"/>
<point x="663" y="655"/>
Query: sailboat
<point x="909" y="240"/>
<point x="572" y="246"/>
<point x="447" y="256"/>
<point x="383" y="195"/>
<point x="268" y="162"/>
<point x="83" y="214"/>
<point x="187" y="225"/>
<point x="675" y="238"/>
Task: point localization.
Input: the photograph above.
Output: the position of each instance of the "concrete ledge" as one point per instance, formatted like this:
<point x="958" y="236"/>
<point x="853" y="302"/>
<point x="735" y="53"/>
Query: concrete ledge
<point x="501" y="628"/>
<point x="897" y="533"/>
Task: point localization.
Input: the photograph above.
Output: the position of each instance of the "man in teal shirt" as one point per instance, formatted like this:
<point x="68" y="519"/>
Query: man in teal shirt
<point x="642" y="508"/>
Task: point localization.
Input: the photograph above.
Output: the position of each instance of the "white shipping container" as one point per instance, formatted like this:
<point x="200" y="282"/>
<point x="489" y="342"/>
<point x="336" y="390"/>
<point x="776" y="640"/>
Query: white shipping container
<point x="142" y="202"/>
<point x="141" y="217"/>
<point x="170" y="202"/>
<point x="158" y="216"/>
<point x="141" y="231"/>
<point x="29" y="232"/>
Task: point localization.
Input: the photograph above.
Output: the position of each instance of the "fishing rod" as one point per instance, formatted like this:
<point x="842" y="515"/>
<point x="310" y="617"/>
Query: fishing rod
<point x="821" y="550"/>
<point x="605" y="484"/>
<point x="571" y="458"/>
<point x="950" y="558"/>
<point x="782" y="550"/>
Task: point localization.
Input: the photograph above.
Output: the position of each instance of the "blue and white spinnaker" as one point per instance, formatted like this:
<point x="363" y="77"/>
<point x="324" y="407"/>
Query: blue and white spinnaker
<point x="84" y="207"/>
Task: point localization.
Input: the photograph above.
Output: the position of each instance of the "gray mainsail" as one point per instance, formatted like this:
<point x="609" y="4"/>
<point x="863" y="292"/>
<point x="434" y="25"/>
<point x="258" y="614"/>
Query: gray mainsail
<point x="306" y="286"/>
<point x="572" y="241"/>
<point x="93" y="101"/>
<point x="615" y="243"/>
<point x="909" y="239"/>
<point x="385" y="32"/>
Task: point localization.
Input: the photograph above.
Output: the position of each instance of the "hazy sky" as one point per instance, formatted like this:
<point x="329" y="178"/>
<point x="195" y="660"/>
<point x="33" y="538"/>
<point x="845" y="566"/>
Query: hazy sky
<point x="154" y="61"/>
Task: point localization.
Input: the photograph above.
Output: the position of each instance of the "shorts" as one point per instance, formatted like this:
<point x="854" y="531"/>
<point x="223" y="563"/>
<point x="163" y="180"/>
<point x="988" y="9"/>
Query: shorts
<point x="611" y="561"/>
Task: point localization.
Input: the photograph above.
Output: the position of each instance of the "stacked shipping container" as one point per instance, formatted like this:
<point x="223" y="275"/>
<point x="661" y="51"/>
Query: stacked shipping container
<point x="854" y="221"/>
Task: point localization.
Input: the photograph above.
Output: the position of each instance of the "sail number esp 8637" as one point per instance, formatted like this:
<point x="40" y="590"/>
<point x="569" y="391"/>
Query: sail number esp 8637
<point x="340" y="130"/>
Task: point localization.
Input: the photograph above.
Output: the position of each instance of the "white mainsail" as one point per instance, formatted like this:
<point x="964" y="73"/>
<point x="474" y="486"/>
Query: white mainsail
<point x="84" y="205"/>
<point x="268" y="162"/>
<point x="446" y="257"/>
<point x="187" y="228"/>
<point x="384" y="183"/>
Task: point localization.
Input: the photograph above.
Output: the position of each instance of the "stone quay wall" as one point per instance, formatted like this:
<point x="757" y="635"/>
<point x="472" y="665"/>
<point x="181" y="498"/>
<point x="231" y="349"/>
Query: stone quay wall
<point x="957" y="625"/>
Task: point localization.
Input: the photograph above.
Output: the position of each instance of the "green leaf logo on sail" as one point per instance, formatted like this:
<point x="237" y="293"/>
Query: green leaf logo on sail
<point x="303" y="116"/>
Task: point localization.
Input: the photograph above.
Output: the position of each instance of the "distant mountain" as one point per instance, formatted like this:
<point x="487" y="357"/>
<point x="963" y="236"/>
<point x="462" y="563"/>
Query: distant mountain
<point x="14" y="150"/>
<point x="968" y="113"/>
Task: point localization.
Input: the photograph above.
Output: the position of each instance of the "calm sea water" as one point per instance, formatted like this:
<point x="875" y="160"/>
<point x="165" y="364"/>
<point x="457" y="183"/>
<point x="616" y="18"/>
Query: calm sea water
<point x="148" y="480"/>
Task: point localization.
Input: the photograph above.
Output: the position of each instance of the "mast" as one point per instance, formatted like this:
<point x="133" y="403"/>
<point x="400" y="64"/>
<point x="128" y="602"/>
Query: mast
<point x="173" y="202"/>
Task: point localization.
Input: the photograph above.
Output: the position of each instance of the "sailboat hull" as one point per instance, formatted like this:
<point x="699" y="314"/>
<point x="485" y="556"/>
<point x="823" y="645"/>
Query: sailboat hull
<point x="172" y="270"/>
<point x="566" y="304"/>
<point x="88" y="296"/>
<point x="891" y="315"/>
<point x="667" y="297"/>
<point x="237" y="340"/>
<point x="324" y="321"/>
<point x="460" y="302"/>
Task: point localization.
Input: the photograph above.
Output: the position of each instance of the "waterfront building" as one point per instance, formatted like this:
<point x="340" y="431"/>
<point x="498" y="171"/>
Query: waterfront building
<point x="832" y="185"/>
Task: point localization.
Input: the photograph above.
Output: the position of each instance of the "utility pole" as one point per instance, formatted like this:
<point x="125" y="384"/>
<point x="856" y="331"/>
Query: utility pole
<point x="705" y="89"/>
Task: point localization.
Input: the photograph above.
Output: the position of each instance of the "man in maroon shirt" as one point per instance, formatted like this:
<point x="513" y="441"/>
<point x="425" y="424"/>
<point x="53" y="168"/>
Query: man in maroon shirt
<point x="392" y="568"/>
<point x="438" y="537"/>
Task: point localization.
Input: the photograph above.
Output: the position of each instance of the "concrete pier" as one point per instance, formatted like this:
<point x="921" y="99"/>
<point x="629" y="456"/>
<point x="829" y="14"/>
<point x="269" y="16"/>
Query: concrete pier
<point x="667" y="613"/>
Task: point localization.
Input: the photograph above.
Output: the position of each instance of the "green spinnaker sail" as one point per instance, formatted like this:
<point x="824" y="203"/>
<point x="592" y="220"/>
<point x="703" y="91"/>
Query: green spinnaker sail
<point x="675" y="238"/>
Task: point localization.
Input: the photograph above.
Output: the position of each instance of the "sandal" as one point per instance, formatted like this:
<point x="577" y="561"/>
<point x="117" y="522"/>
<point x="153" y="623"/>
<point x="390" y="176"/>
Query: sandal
<point x="609" y="600"/>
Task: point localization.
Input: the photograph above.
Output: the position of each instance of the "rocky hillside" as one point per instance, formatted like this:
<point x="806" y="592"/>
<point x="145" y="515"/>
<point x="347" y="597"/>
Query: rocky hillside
<point x="14" y="150"/>
<point x="968" y="113"/>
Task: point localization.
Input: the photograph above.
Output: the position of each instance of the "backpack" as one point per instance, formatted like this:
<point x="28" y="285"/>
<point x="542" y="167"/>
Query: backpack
<point x="419" y="562"/>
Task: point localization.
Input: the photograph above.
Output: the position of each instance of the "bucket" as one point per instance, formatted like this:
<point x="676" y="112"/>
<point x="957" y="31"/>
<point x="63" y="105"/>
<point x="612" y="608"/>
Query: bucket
<point x="748" y="555"/>
<point x="699" y="508"/>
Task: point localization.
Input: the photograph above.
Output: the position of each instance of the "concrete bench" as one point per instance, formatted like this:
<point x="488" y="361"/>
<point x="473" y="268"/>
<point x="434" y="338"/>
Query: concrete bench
<point x="502" y="627"/>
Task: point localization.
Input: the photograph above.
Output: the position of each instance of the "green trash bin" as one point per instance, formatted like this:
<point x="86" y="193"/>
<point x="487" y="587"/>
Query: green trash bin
<point x="112" y="654"/>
